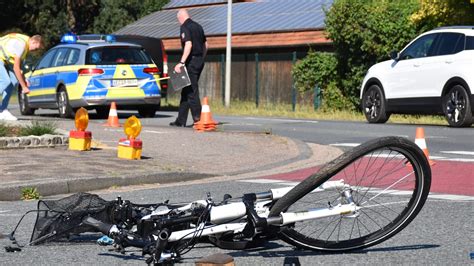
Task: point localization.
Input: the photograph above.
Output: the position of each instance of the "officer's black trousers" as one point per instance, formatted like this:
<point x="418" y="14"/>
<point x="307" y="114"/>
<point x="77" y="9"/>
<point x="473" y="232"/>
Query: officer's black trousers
<point x="190" y="95"/>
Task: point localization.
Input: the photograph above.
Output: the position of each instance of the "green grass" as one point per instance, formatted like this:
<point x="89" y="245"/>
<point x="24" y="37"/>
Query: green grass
<point x="246" y="108"/>
<point x="30" y="193"/>
<point x="38" y="128"/>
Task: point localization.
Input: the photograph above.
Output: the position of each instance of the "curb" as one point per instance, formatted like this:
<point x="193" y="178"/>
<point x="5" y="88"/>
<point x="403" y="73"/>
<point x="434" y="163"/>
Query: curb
<point x="44" y="141"/>
<point x="57" y="186"/>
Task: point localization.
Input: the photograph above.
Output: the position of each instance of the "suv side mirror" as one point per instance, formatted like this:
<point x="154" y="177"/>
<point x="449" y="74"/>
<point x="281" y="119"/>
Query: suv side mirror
<point x="394" y="55"/>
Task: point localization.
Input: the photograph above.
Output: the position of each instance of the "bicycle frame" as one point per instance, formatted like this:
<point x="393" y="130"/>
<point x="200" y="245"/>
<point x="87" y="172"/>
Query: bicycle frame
<point x="221" y="215"/>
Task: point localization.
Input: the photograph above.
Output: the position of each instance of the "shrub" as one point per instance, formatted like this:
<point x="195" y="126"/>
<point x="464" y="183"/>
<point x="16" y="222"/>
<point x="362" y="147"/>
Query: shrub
<point x="29" y="193"/>
<point x="317" y="68"/>
<point x="39" y="128"/>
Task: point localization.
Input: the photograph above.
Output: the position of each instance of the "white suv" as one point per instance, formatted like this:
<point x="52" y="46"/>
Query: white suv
<point x="433" y="74"/>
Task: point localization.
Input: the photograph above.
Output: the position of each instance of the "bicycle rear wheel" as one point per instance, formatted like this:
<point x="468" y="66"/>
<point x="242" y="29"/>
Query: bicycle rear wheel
<point x="389" y="180"/>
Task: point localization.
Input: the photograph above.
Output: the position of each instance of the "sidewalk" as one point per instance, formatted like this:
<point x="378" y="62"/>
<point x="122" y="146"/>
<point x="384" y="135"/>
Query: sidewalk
<point x="169" y="155"/>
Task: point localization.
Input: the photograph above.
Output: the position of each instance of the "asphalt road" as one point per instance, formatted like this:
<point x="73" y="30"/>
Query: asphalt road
<point x="442" y="234"/>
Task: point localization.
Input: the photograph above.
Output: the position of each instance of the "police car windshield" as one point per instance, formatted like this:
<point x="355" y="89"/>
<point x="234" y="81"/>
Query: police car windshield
<point x="113" y="55"/>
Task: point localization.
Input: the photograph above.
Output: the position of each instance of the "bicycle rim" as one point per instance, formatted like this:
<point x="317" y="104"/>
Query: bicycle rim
<point x="389" y="180"/>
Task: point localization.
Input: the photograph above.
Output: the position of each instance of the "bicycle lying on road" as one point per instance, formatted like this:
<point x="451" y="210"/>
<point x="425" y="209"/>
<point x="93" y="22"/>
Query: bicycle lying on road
<point x="360" y="199"/>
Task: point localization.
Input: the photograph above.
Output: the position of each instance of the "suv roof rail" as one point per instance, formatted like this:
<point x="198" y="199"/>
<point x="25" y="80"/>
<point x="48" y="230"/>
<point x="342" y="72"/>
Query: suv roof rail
<point x="455" y="27"/>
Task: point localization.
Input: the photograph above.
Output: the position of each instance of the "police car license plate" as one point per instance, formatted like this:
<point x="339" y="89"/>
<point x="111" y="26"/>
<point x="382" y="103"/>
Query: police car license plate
<point x="124" y="82"/>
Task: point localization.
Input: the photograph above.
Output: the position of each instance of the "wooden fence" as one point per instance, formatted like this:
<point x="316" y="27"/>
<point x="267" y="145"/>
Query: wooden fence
<point x="273" y="85"/>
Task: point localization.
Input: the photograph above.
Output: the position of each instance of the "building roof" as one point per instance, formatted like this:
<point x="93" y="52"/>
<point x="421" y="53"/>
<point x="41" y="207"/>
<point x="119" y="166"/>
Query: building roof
<point x="264" y="16"/>
<point x="186" y="3"/>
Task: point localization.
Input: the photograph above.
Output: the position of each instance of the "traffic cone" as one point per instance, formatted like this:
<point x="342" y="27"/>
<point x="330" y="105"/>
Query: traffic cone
<point x="206" y="123"/>
<point x="113" y="117"/>
<point x="420" y="141"/>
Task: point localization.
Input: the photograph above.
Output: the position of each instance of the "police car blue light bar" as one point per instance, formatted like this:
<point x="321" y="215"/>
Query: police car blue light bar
<point x="69" y="38"/>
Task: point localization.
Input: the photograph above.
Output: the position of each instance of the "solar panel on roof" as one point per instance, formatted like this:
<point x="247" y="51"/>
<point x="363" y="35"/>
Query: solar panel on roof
<point x="249" y="17"/>
<point x="184" y="3"/>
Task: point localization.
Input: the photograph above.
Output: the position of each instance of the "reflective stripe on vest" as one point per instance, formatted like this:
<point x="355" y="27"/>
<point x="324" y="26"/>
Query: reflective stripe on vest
<point x="8" y="57"/>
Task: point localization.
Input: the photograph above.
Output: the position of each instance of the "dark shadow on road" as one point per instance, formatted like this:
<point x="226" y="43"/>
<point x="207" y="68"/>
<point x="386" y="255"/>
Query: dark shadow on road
<point x="266" y="251"/>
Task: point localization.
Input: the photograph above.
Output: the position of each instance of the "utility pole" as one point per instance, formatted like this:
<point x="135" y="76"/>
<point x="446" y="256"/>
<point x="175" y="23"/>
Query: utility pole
<point x="228" y="60"/>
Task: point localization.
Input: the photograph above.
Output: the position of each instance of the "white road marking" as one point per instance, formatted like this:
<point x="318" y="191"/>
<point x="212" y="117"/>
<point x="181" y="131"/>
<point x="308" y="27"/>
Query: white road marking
<point x="345" y="144"/>
<point x="155" y="132"/>
<point x="451" y="197"/>
<point x="458" y="160"/>
<point x="459" y="152"/>
<point x="5" y="211"/>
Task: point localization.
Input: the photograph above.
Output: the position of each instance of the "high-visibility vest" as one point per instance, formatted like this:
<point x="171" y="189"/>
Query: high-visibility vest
<point x="5" y="55"/>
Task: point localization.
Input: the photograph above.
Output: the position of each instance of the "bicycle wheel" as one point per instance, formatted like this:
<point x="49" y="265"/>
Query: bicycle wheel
<point x="389" y="180"/>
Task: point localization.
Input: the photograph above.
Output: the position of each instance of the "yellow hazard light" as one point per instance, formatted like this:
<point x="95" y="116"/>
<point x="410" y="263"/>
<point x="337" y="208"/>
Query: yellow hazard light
<point x="132" y="127"/>
<point x="82" y="119"/>
<point x="80" y="139"/>
<point x="131" y="148"/>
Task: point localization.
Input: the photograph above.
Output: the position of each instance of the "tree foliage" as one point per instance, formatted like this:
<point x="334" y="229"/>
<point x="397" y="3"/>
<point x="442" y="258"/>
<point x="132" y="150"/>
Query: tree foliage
<point x="53" y="18"/>
<point x="436" y="13"/>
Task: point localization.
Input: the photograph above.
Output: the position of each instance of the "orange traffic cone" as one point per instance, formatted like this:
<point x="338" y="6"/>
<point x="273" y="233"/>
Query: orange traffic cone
<point x="420" y="141"/>
<point x="113" y="117"/>
<point x="206" y="123"/>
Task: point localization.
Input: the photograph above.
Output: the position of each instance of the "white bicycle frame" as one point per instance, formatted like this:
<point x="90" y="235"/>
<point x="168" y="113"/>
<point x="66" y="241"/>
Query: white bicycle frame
<point x="222" y="216"/>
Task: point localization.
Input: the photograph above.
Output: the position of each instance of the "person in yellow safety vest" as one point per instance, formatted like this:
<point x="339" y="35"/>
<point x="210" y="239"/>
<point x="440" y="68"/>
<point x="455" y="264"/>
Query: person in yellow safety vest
<point x="13" y="49"/>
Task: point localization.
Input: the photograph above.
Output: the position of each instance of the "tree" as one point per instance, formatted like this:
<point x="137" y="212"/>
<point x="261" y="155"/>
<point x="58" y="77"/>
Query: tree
<point x="436" y="13"/>
<point x="115" y="14"/>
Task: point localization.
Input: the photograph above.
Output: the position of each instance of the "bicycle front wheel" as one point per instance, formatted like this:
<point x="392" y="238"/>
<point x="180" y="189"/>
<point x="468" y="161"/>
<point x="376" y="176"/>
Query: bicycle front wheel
<point x="388" y="179"/>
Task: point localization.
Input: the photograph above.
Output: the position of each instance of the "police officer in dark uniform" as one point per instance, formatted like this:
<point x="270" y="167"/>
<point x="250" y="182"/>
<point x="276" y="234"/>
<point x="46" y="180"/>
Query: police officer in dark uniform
<point x="194" y="44"/>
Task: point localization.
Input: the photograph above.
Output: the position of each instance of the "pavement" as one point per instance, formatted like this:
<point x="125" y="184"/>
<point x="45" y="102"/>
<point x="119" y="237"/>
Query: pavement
<point x="169" y="155"/>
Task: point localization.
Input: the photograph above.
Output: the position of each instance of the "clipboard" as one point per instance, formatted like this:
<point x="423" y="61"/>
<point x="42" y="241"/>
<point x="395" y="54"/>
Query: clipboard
<point x="180" y="80"/>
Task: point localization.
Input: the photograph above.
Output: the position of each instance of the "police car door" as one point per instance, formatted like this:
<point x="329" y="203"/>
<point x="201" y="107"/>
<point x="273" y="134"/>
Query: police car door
<point x="55" y="75"/>
<point x="37" y="96"/>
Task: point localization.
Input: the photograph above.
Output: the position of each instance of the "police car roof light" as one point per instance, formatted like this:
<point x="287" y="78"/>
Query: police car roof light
<point x="69" y="38"/>
<point x="110" y="38"/>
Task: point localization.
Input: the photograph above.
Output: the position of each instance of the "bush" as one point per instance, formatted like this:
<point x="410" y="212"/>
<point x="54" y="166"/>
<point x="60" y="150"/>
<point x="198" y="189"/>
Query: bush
<point x="333" y="99"/>
<point x="317" y="68"/>
<point x="39" y="128"/>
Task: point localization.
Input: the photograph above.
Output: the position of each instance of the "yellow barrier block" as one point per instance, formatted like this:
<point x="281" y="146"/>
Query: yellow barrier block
<point x="130" y="149"/>
<point x="80" y="140"/>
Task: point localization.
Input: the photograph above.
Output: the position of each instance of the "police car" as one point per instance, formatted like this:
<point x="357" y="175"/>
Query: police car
<point x="93" y="74"/>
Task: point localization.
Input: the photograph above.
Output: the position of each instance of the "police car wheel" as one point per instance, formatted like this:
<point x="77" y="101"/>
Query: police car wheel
<point x="65" y="109"/>
<point x="25" y="108"/>
<point x="147" y="111"/>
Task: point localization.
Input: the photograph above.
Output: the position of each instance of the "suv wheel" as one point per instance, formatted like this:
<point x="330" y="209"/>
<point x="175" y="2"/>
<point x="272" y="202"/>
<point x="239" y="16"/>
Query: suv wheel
<point x="25" y="108"/>
<point x="65" y="109"/>
<point x="147" y="111"/>
<point x="373" y="105"/>
<point x="457" y="108"/>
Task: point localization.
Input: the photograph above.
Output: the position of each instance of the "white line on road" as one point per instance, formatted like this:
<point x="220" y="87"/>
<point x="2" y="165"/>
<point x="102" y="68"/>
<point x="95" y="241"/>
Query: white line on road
<point x="155" y="132"/>
<point x="459" y="152"/>
<point x="451" y="197"/>
<point x="5" y="211"/>
<point x="345" y="144"/>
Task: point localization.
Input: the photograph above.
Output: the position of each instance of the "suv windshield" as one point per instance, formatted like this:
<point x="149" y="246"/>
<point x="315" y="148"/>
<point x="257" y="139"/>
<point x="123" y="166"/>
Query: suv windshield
<point x="112" y="55"/>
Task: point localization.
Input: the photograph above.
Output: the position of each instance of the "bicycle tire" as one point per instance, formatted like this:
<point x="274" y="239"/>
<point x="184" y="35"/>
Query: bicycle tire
<point x="379" y="155"/>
